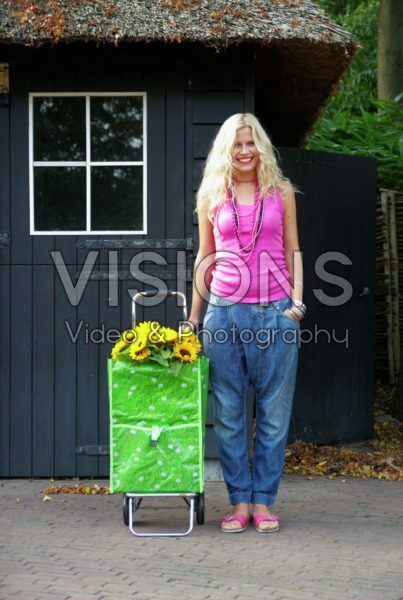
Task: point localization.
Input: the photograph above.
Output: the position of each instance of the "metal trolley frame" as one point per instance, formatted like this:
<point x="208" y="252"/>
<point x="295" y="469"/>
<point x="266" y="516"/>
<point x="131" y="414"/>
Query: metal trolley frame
<point x="132" y="501"/>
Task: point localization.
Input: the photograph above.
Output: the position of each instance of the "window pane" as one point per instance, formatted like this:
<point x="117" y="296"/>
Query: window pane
<point x="117" y="198"/>
<point x="59" y="203"/>
<point x="59" y="128"/>
<point x="116" y="128"/>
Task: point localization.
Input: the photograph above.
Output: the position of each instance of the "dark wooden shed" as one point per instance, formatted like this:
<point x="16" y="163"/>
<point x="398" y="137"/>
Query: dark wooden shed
<point x="107" y="111"/>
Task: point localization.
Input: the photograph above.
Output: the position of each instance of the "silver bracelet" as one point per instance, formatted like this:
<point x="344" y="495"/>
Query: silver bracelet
<point x="299" y="283"/>
<point x="298" y="308"/>
<point x="297" y="312"/>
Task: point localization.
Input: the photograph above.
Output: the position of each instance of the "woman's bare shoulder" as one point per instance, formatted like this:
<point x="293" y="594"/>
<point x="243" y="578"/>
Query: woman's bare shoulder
<point x="287" y="193"/>
<point x="284" y="191"/>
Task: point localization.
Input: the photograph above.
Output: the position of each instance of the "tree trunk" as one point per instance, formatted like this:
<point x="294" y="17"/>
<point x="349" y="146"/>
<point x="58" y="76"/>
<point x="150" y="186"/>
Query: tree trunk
<point x="397" y="398"/>
<point x="390" y="49"/>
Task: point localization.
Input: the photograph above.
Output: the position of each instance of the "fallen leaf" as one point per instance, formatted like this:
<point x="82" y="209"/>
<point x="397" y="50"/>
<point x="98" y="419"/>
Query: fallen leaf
<point x="77" y="489"/>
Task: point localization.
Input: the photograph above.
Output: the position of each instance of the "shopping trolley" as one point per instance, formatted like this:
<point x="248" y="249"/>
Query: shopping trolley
<point x="157" y="431"/>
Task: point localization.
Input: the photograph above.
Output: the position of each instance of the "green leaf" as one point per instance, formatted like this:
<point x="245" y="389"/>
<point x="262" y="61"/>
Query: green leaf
<point x="166" y="351"/>
<point x="176" y="367"/>
<point x="163" y="351"/>
<point x="159" y="359"/>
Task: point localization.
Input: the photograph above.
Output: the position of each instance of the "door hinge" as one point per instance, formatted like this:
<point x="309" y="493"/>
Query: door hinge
<point x="5" y="239"/>
<point x="102" y="450"/>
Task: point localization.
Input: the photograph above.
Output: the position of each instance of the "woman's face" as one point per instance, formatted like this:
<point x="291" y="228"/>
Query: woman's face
<point x="245" y="154"/>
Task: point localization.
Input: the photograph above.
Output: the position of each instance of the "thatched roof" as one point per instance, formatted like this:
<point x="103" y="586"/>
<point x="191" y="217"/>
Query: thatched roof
<point x="301" y="54"/>
<point x="213" y="22"/>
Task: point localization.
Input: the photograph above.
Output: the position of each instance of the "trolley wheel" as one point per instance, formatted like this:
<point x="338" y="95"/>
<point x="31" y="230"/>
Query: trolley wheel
<point x="200" y="508"/>
<point x="125" y="510"/>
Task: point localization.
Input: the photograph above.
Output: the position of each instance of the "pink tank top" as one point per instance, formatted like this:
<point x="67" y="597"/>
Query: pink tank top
<point x="266" y="278"/>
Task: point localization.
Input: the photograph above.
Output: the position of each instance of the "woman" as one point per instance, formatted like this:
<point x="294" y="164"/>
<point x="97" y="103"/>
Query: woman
<point x="248" y="233"/>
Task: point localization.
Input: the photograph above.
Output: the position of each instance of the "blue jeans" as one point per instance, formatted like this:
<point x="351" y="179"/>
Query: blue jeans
<point x="251" y="343"/>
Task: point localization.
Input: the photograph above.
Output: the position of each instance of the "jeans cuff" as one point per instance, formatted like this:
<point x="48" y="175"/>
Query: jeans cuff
<point x="260" y="498"/>
<point x="237" y="497"/>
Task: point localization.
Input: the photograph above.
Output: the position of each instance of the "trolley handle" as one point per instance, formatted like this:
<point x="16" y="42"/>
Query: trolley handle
<point x="151" y="293"/>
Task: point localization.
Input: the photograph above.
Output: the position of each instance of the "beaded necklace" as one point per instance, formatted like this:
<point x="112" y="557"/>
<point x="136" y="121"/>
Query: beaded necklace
<point x="256" y="226"/>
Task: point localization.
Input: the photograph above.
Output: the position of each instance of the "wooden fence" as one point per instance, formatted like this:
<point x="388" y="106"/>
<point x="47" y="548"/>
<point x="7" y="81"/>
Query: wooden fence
<point x="389" y="285"/>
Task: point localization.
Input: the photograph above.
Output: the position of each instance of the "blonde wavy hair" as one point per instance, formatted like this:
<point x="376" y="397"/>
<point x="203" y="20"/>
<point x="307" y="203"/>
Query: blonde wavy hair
<point x="218" y="170"/>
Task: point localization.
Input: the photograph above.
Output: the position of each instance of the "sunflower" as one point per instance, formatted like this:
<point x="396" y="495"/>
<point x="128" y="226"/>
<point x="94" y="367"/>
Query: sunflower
<point x="138" y="350"/>
<point x="128" y="336"/>
<point x="117" y="348"/>
<point x="169" y="335"/>
<point x="141" y="354"/>
<point x="192" y="339"/>
<point x="144" y="326"/>
<point x="159" y="334"/>
<point x="150" y="330"/>
<point x="141" y="338"/>
<point x="186" y="351"/>
<point x="125" y="339"/>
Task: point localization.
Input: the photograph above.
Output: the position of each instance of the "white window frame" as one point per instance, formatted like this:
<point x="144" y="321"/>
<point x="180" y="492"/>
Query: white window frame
<point x="86" y="163"/>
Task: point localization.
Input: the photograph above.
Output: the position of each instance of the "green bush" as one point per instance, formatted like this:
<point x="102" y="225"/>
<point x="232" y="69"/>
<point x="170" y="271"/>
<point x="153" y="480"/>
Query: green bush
<point x="371" y="133"/>
<point x="360" y="18"/>
<point x="355" y="121"/>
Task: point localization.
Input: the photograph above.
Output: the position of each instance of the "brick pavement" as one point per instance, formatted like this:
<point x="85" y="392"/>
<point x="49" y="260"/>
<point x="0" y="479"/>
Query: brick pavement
<point x="338" y="540"/>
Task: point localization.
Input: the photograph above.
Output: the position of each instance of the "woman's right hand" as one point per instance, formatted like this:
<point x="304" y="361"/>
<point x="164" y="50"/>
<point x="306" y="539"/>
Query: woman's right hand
<point x="194" y="322"/>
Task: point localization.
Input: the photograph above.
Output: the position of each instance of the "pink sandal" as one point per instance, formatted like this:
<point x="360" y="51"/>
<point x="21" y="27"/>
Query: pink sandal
<point x="242" y="519"/>
<point x="257" y="519"/>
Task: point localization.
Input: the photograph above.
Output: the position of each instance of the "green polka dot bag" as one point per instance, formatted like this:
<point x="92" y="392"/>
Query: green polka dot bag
<point x="157" y="426"/>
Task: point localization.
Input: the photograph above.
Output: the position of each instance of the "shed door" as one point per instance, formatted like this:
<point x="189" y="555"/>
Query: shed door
<point x="336" y="223"/>
<point x="85" y="168"/>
